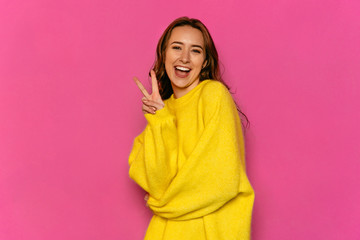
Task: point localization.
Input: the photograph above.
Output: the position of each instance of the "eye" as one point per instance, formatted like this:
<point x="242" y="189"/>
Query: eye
<point x="196" y="51"/>
<point x="176" y="47"/>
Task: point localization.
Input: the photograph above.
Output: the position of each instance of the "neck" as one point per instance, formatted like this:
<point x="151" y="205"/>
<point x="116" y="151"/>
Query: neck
<point x="182" y="91"/>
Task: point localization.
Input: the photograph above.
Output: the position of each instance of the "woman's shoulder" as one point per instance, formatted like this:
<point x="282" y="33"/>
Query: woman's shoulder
<point x="211" y="85"/>
<point x="214" y="90"/>
<point x="215" y="98"/>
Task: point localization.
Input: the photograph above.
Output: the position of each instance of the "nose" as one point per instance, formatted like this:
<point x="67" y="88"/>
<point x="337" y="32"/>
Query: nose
<point x="185" y="56"/>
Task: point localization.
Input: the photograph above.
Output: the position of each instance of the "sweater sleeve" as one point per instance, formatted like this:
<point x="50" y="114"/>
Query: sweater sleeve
<point x="211" y="175"/>
<point x="153" y="158"/>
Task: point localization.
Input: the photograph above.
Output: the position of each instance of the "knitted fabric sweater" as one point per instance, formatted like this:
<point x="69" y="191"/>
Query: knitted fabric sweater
<point x="190" y="159"/>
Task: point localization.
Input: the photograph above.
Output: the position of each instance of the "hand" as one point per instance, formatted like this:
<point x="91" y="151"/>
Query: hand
<point x="146" y="198"/>
<point x="153" y="102"/>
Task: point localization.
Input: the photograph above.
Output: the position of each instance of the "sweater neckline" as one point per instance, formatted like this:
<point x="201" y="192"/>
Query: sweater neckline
<point x="183" y="99"/>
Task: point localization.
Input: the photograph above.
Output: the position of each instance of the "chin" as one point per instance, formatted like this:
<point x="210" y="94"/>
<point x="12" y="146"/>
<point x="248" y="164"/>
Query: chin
<point x="182" y="83"/>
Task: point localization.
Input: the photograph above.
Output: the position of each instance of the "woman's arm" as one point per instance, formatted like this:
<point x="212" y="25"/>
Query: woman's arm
<point x="153" y="159"/>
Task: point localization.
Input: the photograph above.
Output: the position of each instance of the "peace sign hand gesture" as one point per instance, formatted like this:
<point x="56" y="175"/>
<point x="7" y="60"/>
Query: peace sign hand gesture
<point x="153" y="102"/>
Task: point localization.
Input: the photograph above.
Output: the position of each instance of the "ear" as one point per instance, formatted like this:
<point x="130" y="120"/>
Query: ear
<point x="204" y="64"/>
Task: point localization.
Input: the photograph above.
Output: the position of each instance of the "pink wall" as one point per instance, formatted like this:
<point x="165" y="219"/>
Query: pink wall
<point x="69" y="112"/>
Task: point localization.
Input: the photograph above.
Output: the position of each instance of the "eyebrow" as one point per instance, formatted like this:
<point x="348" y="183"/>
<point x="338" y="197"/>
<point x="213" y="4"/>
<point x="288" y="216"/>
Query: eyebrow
<point x="194" y="45"/>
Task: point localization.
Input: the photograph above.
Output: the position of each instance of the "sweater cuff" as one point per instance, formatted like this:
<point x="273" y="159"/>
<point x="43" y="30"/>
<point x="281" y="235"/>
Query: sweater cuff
<point x="160" y="116"/>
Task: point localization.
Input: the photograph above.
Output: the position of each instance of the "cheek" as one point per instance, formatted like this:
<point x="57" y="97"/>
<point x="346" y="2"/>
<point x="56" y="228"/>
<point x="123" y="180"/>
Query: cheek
<point x="168" y="68"/>
<point x="168" y="59"/>
<point x="167" y="63"/>
<point x="199" y="63"/>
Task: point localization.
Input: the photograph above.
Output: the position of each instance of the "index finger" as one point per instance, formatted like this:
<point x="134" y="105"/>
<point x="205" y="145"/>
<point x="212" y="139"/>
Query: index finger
<point x="141" y="87"/>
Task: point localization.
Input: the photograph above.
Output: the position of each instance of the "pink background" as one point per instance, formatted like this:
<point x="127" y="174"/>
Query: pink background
<point x="69" y="112"/>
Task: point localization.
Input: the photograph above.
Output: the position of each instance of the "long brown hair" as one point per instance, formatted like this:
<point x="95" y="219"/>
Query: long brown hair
<point x="210" y="71"/>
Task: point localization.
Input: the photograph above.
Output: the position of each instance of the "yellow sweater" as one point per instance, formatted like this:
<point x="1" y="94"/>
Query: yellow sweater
<point x="190" y="159"/>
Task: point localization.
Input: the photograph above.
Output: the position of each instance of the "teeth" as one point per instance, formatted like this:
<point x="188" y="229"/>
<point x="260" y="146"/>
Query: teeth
<point x="183" y="69"/>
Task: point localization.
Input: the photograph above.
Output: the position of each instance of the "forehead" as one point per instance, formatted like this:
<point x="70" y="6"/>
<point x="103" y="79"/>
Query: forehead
<point x="187" y="34"/>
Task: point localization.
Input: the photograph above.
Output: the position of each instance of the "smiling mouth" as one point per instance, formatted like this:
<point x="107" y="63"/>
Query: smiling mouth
<point x="182" y="72"/>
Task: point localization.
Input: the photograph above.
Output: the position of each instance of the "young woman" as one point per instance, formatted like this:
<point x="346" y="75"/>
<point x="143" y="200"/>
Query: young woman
<point x="190" y="158"/>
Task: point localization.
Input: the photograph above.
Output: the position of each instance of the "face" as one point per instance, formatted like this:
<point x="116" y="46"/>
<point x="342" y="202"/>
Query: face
<point x="184" y="59"/>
